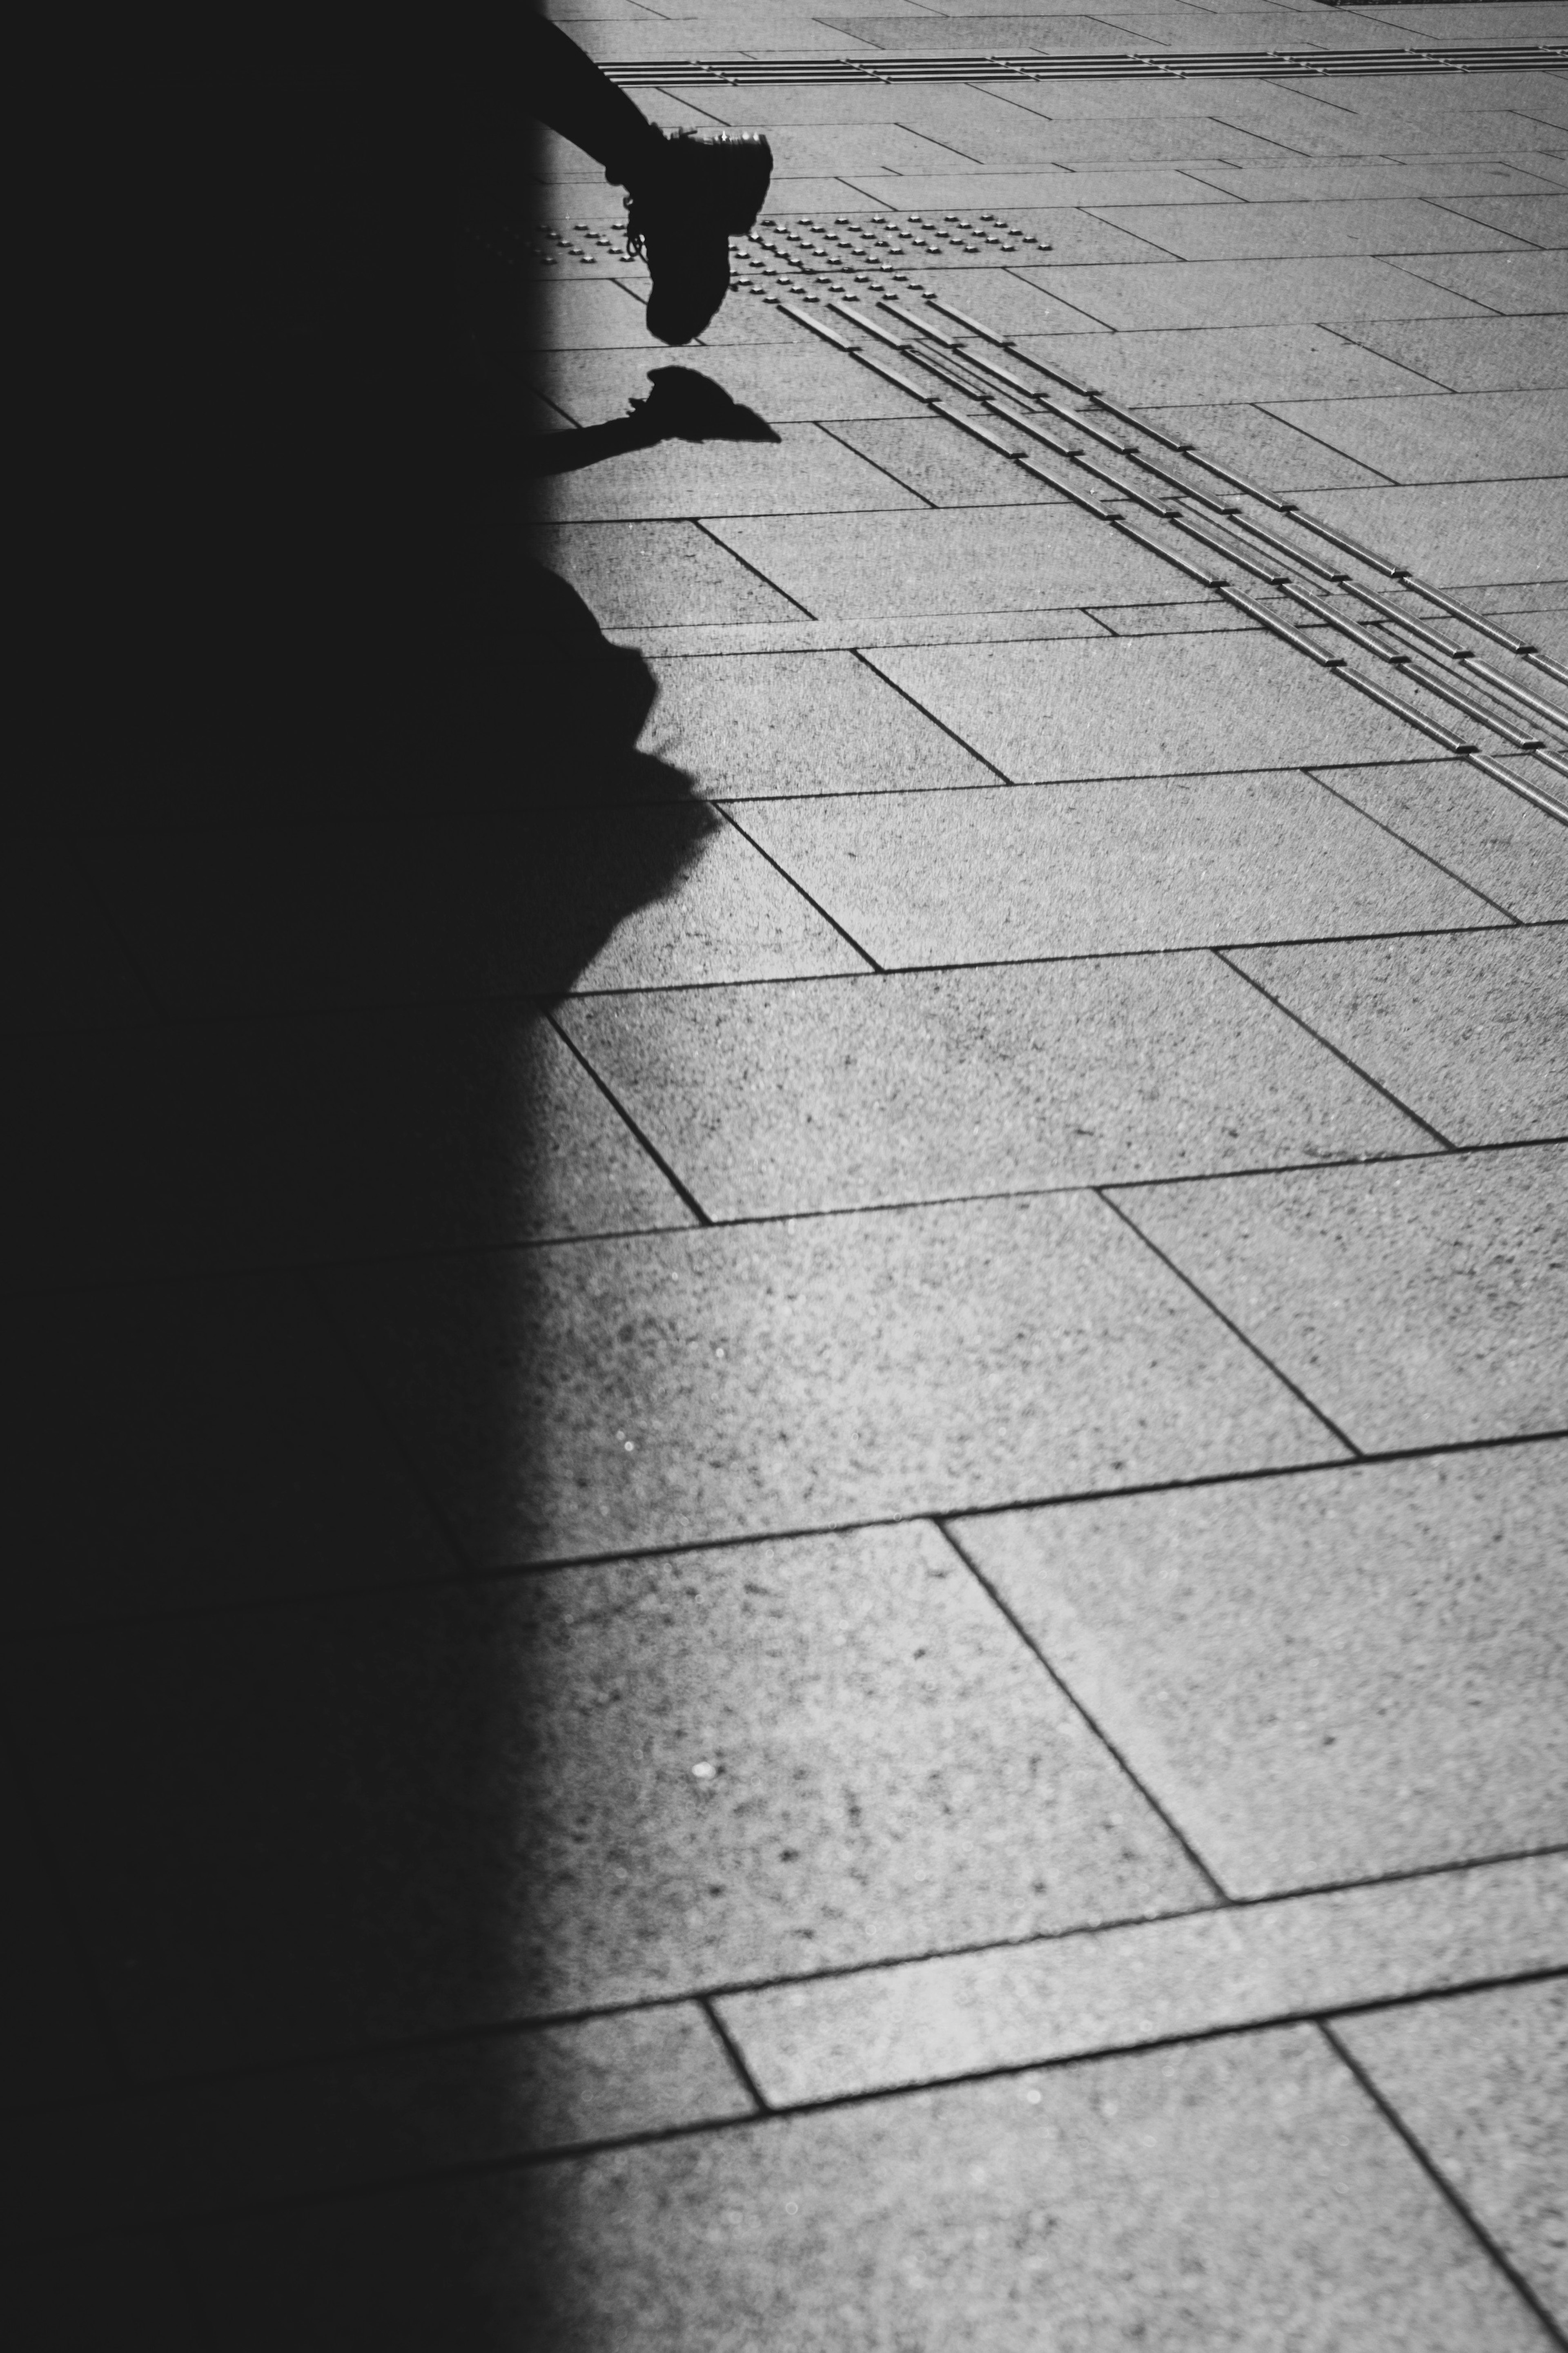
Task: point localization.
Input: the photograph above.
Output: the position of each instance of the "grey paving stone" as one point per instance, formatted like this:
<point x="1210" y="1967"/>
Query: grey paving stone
<point x="752" y="725"/>
<point x="806" y="468"/>
<point x="1456" y="1268"/>
<point x="1162" y="620"/>
<point x="304" y="2132"/>
<point x="857" y="149"/>
<point x="1460" y="533"/>
<point x="943" y="466"/>
<point x="1470" y="1030"/>
<point x="307" y="917"/>
<point x="1445" y="436"/>
<point x="1473" y="354"/>
<point x="1239" y="2193"/>
<point x="61" y="965"/>
<point x="1225" y="364"/>
<point x="1100" y="869"/>
<point x="1158" y="707"/>
<point x="601" y="1395"/>
<point x="1111" y="144"/>
<point x="1043" y="206"/>
<point x="633" y="571"/>
<point x="800" y="382"/>
<point x="1481" y="832"/>
<point x="1321" y="1679"/>
<point x="925" y="1085"/>
<point x="555" y="1793"/>
<point x="586" y="313"/>
<point x="848" y="631"/>
<point x="1006" y="302"/>
<point x="191" y="1446"/>
<point x="1256" y="446"/>
<point x="1539" y="220"/>
<point x="1502" y="281"/>
<point x="1025" y="2005"/>
<point x="1368" y="225"/>
<point x="1482" y="2082"/>
<point x="352" y="1136"/>
<point x="1246" y="293"/>
<point x="1347" y="176"/>
<point x="990" y="559"/>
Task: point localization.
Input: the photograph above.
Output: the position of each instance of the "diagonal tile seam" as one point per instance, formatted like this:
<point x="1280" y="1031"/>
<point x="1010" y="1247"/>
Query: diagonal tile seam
<point x="1225" y="1971"/>
<point x="638" y="1135"/>
<point x="699" y="523"/>
<point x="1335" y="1432"/>
<point x="794" y="882"/>
<point x="1338" y="1052"/>
<point x="1319" y="777"/>
<point x="1447" y="2189"/>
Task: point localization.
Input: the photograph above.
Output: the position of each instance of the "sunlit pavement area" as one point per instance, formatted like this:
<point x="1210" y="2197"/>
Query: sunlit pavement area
<point x="823" y="1606"/>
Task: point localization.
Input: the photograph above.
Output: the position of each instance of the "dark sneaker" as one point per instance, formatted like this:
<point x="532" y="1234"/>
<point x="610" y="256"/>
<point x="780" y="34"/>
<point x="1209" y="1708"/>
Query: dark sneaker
<point x="698" y="190"/>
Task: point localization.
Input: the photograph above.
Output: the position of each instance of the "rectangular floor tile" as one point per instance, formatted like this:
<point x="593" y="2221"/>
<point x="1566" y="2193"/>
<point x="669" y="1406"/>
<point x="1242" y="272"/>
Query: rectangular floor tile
<point x="354" y="1136"/>
<point x="990" y="560"/>
<point x="1476" y="828"/>
<point x="1248" y="293"/>
<point x="1470" y="1032"/>
<point x="1255" y="445"/>
<point x="1372" y="225"/>
<point x="1473" y="354"/>
<point x="1500" y="281"/>
<point x="321" y="917"/>
<point x="782" y="382"/>
<point x="1482" y="436"/>
<point x="598" y="1396"/>
<point x="189" y="1446"/>
<point x="632" y="572"/>
<point x="1156" y="708"/>
<point x="1322" y="1678"/>
<point x="1539" y="220"/>
<point x="804" y="469"/>
<point x="1455" y="533"/>
<point x="335" y="1829"/>
<point x="1224" y="364"/>
<point x="1238" y="2184"/>
<point x="1102" y="868"/>
<point x="395" y="2116"/>
<point x="1482" y="2082"/>
<point x="1027" y="2005"/>
<point x="1447" y="1278"/>
<point x="924" y="1086"/>
<point x="748" y="726"/>
<point x="946" y="468"/>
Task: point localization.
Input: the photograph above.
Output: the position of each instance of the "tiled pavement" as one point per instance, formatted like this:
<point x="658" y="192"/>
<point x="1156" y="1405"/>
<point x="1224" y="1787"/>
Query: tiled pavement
<point x="819" y="1593"/>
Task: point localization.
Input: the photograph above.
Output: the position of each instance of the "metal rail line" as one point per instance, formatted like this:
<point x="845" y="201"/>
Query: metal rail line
<point x="1034" y="66"/>
<point x="1267" y="559"/>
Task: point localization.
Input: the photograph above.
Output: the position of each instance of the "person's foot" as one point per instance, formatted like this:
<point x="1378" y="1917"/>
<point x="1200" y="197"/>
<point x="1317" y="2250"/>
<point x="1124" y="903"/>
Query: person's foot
<point x="695" y="191"/>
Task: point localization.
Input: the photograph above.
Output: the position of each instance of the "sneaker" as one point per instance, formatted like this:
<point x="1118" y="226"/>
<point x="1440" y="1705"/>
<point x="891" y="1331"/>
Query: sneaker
<point x="698" y="190"/>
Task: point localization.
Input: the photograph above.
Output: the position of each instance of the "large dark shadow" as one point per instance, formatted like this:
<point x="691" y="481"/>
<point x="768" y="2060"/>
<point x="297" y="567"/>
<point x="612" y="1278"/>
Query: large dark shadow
<point x="347" y="794"/>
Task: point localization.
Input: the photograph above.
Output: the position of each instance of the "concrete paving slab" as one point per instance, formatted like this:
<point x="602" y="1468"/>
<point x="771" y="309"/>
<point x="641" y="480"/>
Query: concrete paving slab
<point x="1419" y="1303"/>
<point x="1347" y="177"/>
<point x="988" y="559"/>
<point x="753" y="725"/>
<point x="1225" y="363"/>
<point x="1100" y="869"/>
<point x="946" y="468"/>
<point x="61" y="965"/>
<point x="1045" y="203"/>
<point x="804" y="468"/>
<point x="1162" y="620"/>
<point x="637" y="571"/>
<point x="857" y="149"/>
<point x="929" y="1085"/>
<point x="1111" y="143"/>
<point x="1479" y="832"/>
<point x="1536" y="220"/>
<point x="1473" y="354"/>
<point x="1480" y="437"/>
<point x="764" y="1375"/>
<point x="1163" y="707"/>
<point x="346" y="1137"/>
<point x="194" y="1445"/>
<point x="588" y="313"/>
<point x="1256" y="446"/>
<point x="1455" y="533"/>
<point x="307" y="917"/>
<point x="1003" y="301"/>
<point x="1482" y="2082"/>
<point x="1369" y="226"/>
<point x="1470" y="1030"/>
<point x="1503" y="282"/>
<point x="1237" y="2184"/>
<point x="1321" y="1679"/>
<point x="849" y="631"/>
<point x="786" y="383"/>
<point x="1157" y="1981"/>
<point x="1246" y="293"/>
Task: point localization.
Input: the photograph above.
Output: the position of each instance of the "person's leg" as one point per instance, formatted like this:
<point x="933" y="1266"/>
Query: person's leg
<point x="567" y="91"/>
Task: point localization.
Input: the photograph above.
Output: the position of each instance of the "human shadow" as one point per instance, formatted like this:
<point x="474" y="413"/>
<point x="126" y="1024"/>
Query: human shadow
<point x="682" y="405"/>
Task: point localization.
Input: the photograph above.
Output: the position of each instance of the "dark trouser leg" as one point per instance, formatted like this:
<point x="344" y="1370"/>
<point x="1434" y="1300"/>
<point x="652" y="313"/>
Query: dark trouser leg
<point x="552" y="79"/>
